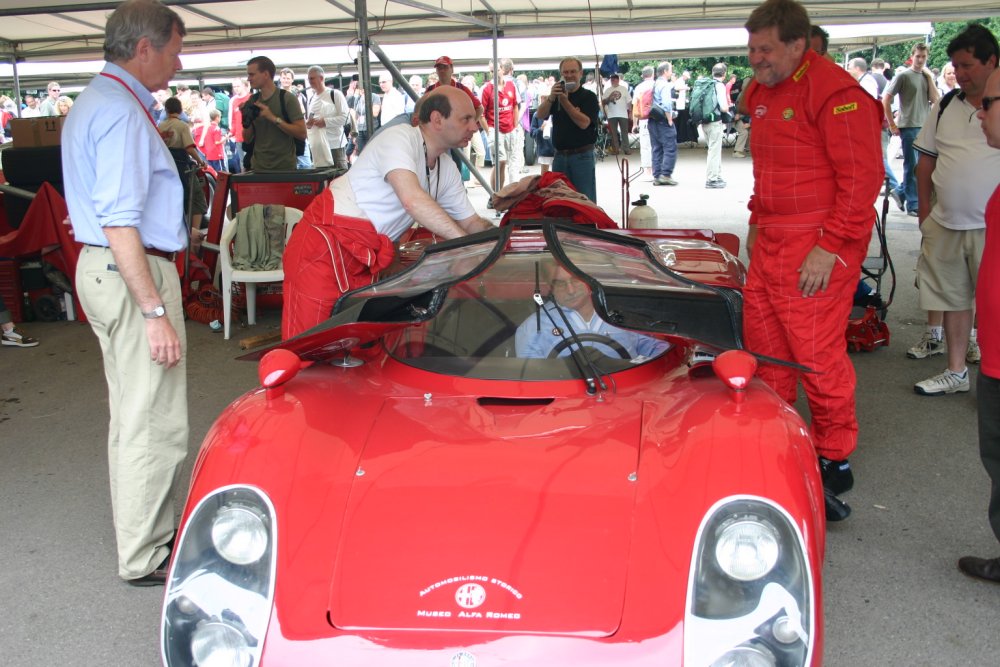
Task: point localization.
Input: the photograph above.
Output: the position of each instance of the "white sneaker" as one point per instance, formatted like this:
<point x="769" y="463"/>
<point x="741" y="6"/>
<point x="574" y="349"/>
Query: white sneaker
<point x="928" y="346"/>
<point x="17" y="338"/>
<point x="948" y="382"/>
<point x="972" y="355"/>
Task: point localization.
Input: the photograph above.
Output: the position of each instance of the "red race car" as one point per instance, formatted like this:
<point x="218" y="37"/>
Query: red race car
<point x="539" y="445"/>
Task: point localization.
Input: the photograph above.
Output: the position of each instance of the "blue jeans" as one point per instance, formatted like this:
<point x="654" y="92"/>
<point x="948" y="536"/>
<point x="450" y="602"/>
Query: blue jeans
<point x="890" y="174"/>
<point x="663" y="136"/>
<point x="908" y="188"/>
<point x="579" y="168"/>
<point x="304" y="161"/>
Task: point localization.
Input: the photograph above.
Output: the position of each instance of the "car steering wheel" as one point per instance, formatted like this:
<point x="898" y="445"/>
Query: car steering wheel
<point x="591" y="338"/>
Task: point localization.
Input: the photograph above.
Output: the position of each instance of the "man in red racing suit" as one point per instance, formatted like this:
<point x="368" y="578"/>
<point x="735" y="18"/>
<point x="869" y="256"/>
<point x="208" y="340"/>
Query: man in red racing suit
<point x="817" y="172"/>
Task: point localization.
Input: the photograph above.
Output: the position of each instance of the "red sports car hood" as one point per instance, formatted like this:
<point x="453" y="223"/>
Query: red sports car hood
<point x="483" y="515"/>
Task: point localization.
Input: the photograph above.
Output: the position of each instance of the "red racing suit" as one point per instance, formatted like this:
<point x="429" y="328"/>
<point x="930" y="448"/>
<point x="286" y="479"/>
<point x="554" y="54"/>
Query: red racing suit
<point x="817" y="163"/>
<point x="326" y="256"/>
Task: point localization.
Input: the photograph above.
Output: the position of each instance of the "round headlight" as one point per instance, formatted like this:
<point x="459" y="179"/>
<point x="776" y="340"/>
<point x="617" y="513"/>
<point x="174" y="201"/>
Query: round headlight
<point x="746" y="656"/>
<point x="239" y="535"/>
<point x="217" y="644"/>
<point x="747" y="549"/>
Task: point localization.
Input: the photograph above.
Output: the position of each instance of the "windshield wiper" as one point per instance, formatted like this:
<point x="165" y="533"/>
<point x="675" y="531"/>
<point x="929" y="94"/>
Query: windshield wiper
<point x="591" y="376"/>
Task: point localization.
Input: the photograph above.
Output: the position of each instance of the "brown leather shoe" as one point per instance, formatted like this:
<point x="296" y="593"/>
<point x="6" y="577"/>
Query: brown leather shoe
<point x="157" y="577"/>
<point x="987" y="569"/>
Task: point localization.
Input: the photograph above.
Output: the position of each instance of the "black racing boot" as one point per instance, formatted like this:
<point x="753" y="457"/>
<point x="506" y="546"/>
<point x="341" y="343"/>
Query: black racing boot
<point x="837" y="475"/>
<point x="836" y="509"/>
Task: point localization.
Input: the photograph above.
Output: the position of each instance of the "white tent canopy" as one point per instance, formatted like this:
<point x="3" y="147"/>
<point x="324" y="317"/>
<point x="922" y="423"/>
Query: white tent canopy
<point x="73" y="30"/>
<point x="472" y="55"/>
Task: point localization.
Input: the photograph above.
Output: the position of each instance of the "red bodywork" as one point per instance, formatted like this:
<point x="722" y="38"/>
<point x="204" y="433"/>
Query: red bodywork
<point x="566" y="520"/>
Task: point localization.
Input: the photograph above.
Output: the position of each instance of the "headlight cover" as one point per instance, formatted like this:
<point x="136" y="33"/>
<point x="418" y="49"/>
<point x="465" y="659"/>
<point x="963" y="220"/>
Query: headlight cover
<point x="218" y="600"/>
<point x="750" y="594"/>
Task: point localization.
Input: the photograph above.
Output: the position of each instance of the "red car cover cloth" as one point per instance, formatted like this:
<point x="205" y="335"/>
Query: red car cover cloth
<point x="988" y="291"/>
<point x="42" y="229"/>
<point x="550" y="195"/>
<point x="326" y="256"/>
<point x="817" y="172"/>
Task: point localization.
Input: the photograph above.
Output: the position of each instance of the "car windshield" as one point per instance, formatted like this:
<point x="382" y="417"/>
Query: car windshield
<point x="539" y="304"/>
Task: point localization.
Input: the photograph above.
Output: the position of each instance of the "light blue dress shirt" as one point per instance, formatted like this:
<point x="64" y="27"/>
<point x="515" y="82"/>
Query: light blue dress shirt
<point x="536" y="338"/>
<point x="117" y="170"/>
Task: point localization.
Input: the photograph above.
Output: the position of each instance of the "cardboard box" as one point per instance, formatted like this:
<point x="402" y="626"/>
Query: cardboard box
<point x="37" y="132"/>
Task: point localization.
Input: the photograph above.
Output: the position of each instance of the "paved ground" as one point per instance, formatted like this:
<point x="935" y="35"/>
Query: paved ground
<point x="893" y="593"/>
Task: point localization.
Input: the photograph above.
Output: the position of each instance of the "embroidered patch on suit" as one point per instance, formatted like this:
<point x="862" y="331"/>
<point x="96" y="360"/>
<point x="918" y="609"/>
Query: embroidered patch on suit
<point x="844" y="108"/>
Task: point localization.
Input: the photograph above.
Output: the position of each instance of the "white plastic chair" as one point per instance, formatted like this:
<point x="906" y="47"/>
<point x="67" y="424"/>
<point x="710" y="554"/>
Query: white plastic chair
<point x="248" y="278"/>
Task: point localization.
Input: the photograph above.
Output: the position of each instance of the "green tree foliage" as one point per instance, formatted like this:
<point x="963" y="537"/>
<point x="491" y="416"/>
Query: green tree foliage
<point x="738" y="65"/>
<point x="943" y="33"/>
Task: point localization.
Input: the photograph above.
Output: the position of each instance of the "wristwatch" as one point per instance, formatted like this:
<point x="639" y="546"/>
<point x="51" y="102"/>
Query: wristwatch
<point x="159" y="311"/>
<point x="277" y="120"/>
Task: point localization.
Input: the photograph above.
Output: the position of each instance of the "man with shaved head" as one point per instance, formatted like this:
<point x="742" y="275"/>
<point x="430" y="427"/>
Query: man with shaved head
<point x="347" y="234"/>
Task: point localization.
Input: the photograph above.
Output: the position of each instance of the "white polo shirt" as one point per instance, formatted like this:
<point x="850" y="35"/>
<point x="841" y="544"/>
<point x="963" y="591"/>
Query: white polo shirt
<point x="967" y="170"/>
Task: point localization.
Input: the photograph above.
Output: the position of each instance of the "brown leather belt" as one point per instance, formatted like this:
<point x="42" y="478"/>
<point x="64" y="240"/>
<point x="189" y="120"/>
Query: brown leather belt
<point x="155" y="252"/>
<point x="575" y="151"/>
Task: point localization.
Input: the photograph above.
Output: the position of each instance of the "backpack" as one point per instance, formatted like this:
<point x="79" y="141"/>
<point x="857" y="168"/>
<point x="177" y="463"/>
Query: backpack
<point x="222" y="104"/>
<point x="704" y="107"/>
<point x="300" y="144"/>
<point x="643" y="103"/>
<point x="945" y="101"/>
<point x="609" y="65"/>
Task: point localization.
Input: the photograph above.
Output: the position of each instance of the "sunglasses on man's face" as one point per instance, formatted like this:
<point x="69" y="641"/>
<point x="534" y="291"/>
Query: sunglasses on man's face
<point x="987" y="101"/>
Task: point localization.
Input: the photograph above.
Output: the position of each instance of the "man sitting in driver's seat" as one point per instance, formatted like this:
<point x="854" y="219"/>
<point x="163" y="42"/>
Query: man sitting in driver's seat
<point x="546" y="331"/>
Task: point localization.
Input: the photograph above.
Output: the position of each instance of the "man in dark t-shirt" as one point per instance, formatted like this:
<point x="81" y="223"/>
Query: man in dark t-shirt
<point x="574" y="111"/>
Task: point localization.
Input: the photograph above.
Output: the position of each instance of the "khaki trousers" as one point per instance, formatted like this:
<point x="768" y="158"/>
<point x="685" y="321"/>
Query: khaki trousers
<point x="148" y="430"/>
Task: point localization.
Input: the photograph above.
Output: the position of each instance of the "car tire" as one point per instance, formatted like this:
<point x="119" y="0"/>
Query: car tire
<point x="47" y="308"/>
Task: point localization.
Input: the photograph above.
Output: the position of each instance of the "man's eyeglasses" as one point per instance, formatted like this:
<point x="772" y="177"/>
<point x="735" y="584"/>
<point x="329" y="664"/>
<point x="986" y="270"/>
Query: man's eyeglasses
<point x="987" y="101"/>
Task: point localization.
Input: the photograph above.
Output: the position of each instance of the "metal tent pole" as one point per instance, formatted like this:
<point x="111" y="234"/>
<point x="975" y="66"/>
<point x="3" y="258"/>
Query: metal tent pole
<point x="398" y="76"/>
<point x="17" y="83"/>
<point x="361" y="9"/>
<point x="495" y="153"/>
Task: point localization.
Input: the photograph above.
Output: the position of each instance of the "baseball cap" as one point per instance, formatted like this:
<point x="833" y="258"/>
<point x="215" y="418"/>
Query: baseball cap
<point x="443" y="60"/>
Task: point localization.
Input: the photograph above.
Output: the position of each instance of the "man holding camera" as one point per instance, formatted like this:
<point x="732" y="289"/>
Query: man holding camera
<point x="272" y="120"/>
<point x="574" y="112"/>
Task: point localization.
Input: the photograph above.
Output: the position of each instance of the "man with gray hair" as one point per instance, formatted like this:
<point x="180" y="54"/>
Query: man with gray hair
<point x="662" y="132"/>
<point x="810" y="223"/>
<point x="641" y="116"/>
<point x="125" y="204"/>
<point x="715" y="128"/>
<point x="393" y="102"/>
<point x="327" y="113"/>
<point x="574" y="112"/>
<point x="858" y="68"/>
